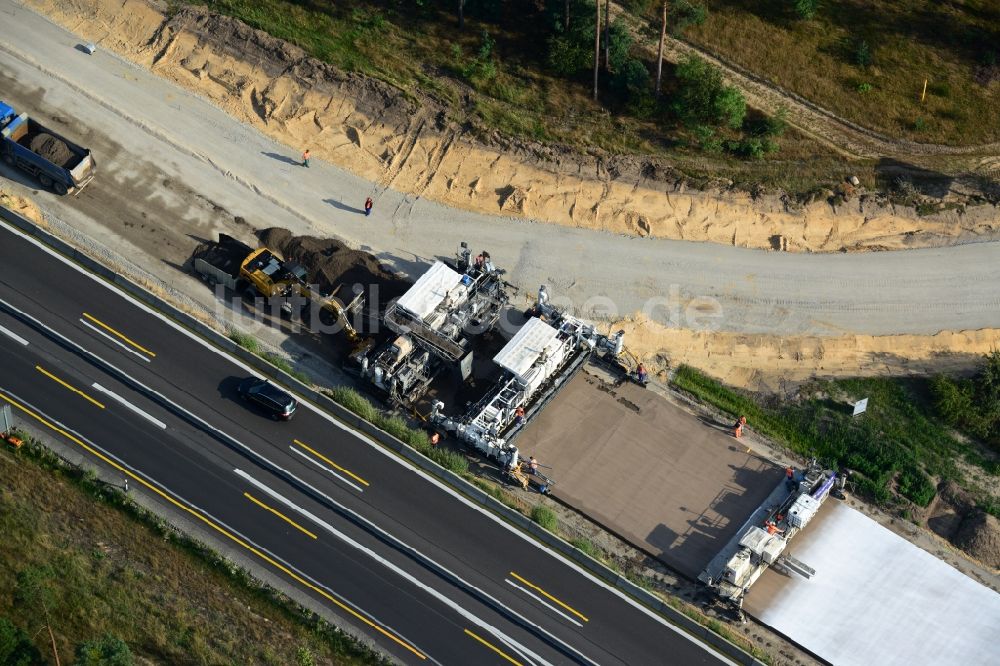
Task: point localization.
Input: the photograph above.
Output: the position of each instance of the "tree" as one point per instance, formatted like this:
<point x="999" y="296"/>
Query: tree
<point x="659" y="53"/>
<point x="684" y="14"/>
<point x="607" y="35"/>
<point x="107" y="650"/>
<point x="461" y="14"/>
<point x="597" y="45"/>
<point x="16" y="649"/>
<point x="702" y="97"/>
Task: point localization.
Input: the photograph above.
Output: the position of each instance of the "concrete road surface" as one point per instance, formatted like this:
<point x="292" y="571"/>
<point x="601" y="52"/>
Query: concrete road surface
<point x="171" y="164"/>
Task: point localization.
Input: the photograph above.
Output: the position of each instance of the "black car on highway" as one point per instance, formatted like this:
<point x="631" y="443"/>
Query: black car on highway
<point x="262" y="393"/>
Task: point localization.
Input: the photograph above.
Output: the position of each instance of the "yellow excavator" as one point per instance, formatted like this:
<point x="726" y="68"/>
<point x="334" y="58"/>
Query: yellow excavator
<point x="259" y="271"/>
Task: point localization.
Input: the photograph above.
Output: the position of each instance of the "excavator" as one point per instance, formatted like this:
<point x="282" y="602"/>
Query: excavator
<point x="259" y="271"/>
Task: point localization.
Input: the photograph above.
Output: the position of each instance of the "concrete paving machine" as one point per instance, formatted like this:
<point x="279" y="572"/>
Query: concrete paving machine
<point x="433" y="322"/>
<point x="536" y="363"/>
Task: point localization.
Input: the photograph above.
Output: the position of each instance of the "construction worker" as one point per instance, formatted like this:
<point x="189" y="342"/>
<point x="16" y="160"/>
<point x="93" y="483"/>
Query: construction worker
<point x="519" y="415"/>
<point x="435" y="438"/>
<point x="772" y="528"/>
<point x="789" y="478"/>
<point x="533" y="465"/>
<point x="305" y="157"/>
<point x="738" y="428"/>
<point x="368" y="206"/>
<point x="641" y="374"/>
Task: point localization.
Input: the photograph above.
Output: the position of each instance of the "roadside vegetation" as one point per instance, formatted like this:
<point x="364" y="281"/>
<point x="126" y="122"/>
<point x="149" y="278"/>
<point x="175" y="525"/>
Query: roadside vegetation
<point x="110" y="584"/>
<point x="866" y="60"/>
<point x="525" y="69"/>
<point x="251" y="344"/>
<point x="916" y="433"/>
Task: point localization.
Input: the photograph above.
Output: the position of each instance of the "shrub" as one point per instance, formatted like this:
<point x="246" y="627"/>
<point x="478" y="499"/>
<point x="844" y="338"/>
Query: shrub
<point x="702" y="97"/>
<point x="16" y="648"/>
<point x="585" y="546"/>
<point x="707" y="139"/>
<point x="864" y="87"/>
<point x="684" y="14"/>
<point x="545" y="517"/>
<point x="806" y="9"/>
<point x="914" y="485"/>
<point x="862" y="54"/>
<point x="248" y="342"/>
<point x="105" y="651"/>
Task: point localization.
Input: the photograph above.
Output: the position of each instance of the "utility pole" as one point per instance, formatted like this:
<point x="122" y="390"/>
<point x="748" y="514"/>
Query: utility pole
<point x="607" y="35"/>
<point x="597" y="45"/>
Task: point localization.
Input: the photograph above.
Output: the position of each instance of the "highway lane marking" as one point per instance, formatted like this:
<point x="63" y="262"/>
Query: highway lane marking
<point x="279" y="515"/>
<point x="326" y="469"/>
<point x="549" y="596"/>
<point x="13" y="336"/>
<point x="542" y="601"/>
<point x="331" y="463"/>
<point x="494" y="648"/>
<point x="230" y="534"/>
<point x="442" y="598"/>
<point x="117" y="342"/>
<point x="125" y="403"/>
<point x="374" y="445"/>
<point x="69" y="386"/>
<point x="118" y="334"/>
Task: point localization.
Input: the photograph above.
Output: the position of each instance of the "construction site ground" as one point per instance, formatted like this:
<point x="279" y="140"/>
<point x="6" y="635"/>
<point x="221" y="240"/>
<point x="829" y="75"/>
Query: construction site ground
<point x="675" y="486"/>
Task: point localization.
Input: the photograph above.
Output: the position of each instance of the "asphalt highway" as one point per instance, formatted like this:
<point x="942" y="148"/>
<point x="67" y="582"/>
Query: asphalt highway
<point x="429" y="576"/>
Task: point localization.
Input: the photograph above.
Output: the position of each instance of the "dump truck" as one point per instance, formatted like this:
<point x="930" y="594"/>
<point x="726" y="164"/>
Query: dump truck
<point x="259" y="272"/>
<point x="58" y="163"/>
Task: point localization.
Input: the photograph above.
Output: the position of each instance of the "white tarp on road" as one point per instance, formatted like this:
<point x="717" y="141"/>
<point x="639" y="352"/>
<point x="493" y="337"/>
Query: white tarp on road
<point x="877" y="599"/>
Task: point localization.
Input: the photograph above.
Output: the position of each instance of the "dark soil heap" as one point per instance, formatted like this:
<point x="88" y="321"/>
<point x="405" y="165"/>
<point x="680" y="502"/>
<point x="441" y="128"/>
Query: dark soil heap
<point x="52" y="149"/>
<point x="331" y="263"/>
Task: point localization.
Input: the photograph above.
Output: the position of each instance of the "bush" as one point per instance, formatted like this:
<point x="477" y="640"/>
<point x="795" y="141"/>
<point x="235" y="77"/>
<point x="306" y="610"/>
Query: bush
<point x="703" y="98"/>
<point x="545" y="517"/>
<point x="806" y="9"/>
<point x="707" y="139"/>
<point x="972" y="405"/>
<point x="16" y="648"/>
<point x="914" y="485"/>
<point x="862" y="54"/>
<point x="684" y="14"/>
<point x="585" y="546"/>
<point x="248" y="342"/>
<point x="864" y="87"/>
<point x="105" y="651"/>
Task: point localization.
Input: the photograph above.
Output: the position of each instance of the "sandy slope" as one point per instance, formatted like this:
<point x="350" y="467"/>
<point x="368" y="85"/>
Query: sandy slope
<point x="378" y="133"/>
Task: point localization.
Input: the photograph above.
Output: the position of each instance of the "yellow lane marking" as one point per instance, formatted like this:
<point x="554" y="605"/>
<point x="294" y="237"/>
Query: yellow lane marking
<point x="550" y="597"/>
<point x="221" y="530"/>
<point x="71" y="388"/>
<point x="494" y="648"/>
<point x="279" y="515"/>
<point x="117" y="334"/>
<point x="330" y="462"/>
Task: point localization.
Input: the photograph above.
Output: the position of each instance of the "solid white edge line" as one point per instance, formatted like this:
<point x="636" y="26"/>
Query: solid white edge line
<point x="326" y="469"/>
<point x="13" y="336"/>
<point x="383" y="450"/>
<point x="442" y="598"/>
<point x="125" y="403"/>
<point x="544" y="603"/>
<point x="117" y="342"/>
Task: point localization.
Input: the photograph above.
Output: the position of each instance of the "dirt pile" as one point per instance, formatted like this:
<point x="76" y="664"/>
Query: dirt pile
<point x="331" y="263"/>
<point x="766" y="362"/>
<point x="378" y="132"/>
<point x="979" y="536"/>
<point x="22" y="206"/>
<point x="53" y="149"/>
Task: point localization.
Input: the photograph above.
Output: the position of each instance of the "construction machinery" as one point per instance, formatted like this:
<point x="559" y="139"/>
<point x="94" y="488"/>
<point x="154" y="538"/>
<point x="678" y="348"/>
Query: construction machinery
<point x="260" y="272"/>
<point x="536" y="363"/>
<point x="761" y="542"/>
<point x="57" y="162"/>
<point x="432" y="324"/>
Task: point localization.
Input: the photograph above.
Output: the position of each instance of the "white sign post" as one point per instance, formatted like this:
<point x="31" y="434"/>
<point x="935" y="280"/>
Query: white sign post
<point x="6" y="420"/>
<point x="860" y="407"/>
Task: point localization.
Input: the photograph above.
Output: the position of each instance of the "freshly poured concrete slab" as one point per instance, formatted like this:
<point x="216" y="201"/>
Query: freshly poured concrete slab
<point x="672" y="484"/>
<point x="877" y="599"/>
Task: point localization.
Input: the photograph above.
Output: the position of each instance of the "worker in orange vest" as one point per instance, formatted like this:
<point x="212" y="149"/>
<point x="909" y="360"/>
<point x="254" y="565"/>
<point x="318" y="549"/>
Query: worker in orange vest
<point x="519" y="416"/>
<point x="738" y="428"/>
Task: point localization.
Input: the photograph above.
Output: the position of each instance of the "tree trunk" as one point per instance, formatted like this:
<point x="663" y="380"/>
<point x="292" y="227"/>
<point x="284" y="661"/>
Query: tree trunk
<point x="597" y="45"/>
<point x="461" y="14"/>
<point x="566" y="26"/>
<point x="659" y="57"/>
<point x="607" y="34"/>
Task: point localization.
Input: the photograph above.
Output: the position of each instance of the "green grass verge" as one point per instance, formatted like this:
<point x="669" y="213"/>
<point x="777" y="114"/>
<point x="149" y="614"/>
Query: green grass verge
<point x="545" y="517"/>
<point x="398" y="428"/>
<point x="104" y="565"/>
<point x="251" y="344"/>
<point x="897" y="448"/>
